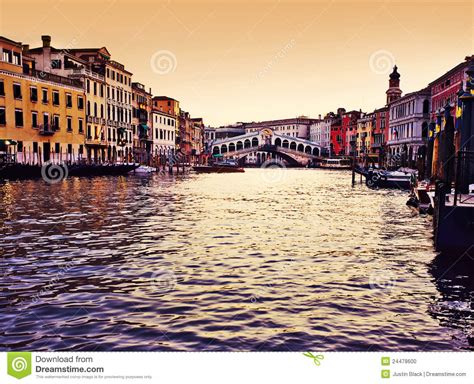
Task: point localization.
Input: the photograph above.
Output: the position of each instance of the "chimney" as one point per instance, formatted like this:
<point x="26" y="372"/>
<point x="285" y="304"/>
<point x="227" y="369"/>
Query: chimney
<point x="46" y="41"/>
<point x="319" y="116"/>
<point x="25" y="48"/>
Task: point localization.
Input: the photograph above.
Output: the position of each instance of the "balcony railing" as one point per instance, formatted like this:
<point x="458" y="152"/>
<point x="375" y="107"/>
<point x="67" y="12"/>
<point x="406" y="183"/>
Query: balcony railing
<point x="46" y="76"/>
<point x="46" y="130"/>
<point x="96" y="140"/>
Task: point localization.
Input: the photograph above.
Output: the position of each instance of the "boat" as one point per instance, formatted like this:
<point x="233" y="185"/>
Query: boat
<point x="389" y="179"/>
<point x="226" y="166"/>
<point x="336" y="164"/>
<point x="18" y="171"/>
<point x="422" y="198"/>
<point x="144" y="169"/>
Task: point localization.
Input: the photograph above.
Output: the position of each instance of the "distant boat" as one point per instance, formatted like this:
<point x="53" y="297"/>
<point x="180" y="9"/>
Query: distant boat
<point x="337" y="164"/>
<point x="226" y="166"/>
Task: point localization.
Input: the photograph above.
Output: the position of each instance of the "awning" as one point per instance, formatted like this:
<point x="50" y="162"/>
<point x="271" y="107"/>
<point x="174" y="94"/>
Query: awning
<point x="217" y="155"/>
<point x="144" y="127"/>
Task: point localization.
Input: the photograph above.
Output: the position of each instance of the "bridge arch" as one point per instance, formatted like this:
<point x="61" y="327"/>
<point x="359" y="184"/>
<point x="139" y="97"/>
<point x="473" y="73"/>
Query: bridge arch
<point x="278" y="142"/>
<point x="316" y="151"/>
<point x="247" y="144"/>
<point x="215" y="151"/>
<point x="224" y="148"/>
<point x="255" y="142"/>
<point x="308" y="149"/>
<point x="285" y="144"/>
<point x="300" y="147"/>
<point x="239" y="145"/>
<point x="231" y="147"/>
<point x="293" y="146"/>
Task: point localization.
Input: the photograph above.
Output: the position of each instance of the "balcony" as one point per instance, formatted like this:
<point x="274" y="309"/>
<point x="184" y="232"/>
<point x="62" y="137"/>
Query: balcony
<point x="96" y="141"/>
<point x="46" y="130"/>
<point x="86" y="72"/>
<point x="46" y="76"/>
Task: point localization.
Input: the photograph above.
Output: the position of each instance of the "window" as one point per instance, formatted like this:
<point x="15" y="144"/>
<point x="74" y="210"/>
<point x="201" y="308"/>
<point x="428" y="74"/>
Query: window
<point x="56" y="64"/>
<point x="102" y="90"/>
<point x="35" y="147"/>
<point x="34" y="119"/>
<point x="18" y="118"/>
<point x="56" y="122"/>
<point x="68" y="100"/>
<point x="69" y="123"/>
<point x="88" y="86"/>
<point x="69" y="148"/>
<point x="55" y="98"/>
<point x="108" y="74"/>
<point x="89" y="134"/>
<point x="57" y="147"/>
<point x="81" y="126"/>
<point x="2" y="88"/>
<point x="95" y="88"/>
<point x="7" y="56"/>
<point x="45" y="96"/>
<point x="81" y="149"/>
<point x="34" y="94"/>
<point x="3" y="120"/>
<point x="80" y="102"/>
<point x="17" y="91"/>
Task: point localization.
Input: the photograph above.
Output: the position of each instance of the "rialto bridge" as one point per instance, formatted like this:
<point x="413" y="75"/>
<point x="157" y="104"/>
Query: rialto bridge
<point x="294" y="150"/>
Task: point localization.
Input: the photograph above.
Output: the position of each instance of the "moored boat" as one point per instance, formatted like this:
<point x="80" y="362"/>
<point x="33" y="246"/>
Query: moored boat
<point x="227" y="166"/>
<point x="389" y="179"/>
<point x="16" y="171"/>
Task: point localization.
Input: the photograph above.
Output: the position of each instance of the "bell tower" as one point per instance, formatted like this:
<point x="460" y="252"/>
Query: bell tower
<point x="394" y="92"/>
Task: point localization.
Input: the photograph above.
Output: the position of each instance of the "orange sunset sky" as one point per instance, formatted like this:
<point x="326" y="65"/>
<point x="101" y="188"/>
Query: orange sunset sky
<point x="254" y="60"/>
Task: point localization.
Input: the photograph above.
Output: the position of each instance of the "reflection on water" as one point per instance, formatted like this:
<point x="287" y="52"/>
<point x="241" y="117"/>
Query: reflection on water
<point x="265" y="260"/>
<point x="454" y="278"/>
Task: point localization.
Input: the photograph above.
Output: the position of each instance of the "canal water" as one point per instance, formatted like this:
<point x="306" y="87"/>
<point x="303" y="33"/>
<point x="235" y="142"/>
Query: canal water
<point x="267" y="260"/>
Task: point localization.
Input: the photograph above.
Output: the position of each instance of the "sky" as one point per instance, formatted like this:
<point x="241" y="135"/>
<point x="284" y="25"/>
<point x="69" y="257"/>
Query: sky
<point x="229" y="61"/>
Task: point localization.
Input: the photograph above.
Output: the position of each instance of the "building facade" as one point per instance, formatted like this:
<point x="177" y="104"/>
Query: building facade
<point x="164" y="135"/>
<point x="320" y="133"/>
<point x="409" y="117"/>
<point x="64" y="63"/>
<point x="143" y="135"/>
<point x="42" y="115"/>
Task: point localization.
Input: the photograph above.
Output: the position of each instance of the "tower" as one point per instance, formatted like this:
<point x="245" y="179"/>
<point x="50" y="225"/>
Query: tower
<point x="394" y="92"/>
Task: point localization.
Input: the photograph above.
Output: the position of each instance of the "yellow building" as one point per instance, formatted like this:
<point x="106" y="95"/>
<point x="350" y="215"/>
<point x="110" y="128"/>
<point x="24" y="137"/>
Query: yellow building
<point x="64" y="62"/>
<point x="42" y="115"/>
<point x="364" y="134"/>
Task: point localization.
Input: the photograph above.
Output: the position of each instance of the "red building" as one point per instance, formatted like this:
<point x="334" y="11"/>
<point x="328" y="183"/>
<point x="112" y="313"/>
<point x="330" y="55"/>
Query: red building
<point x="444" y="89"/>
<point x="349" y="130"/>
<point x="380" y="130"/>
<point x="338" y="139"/>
